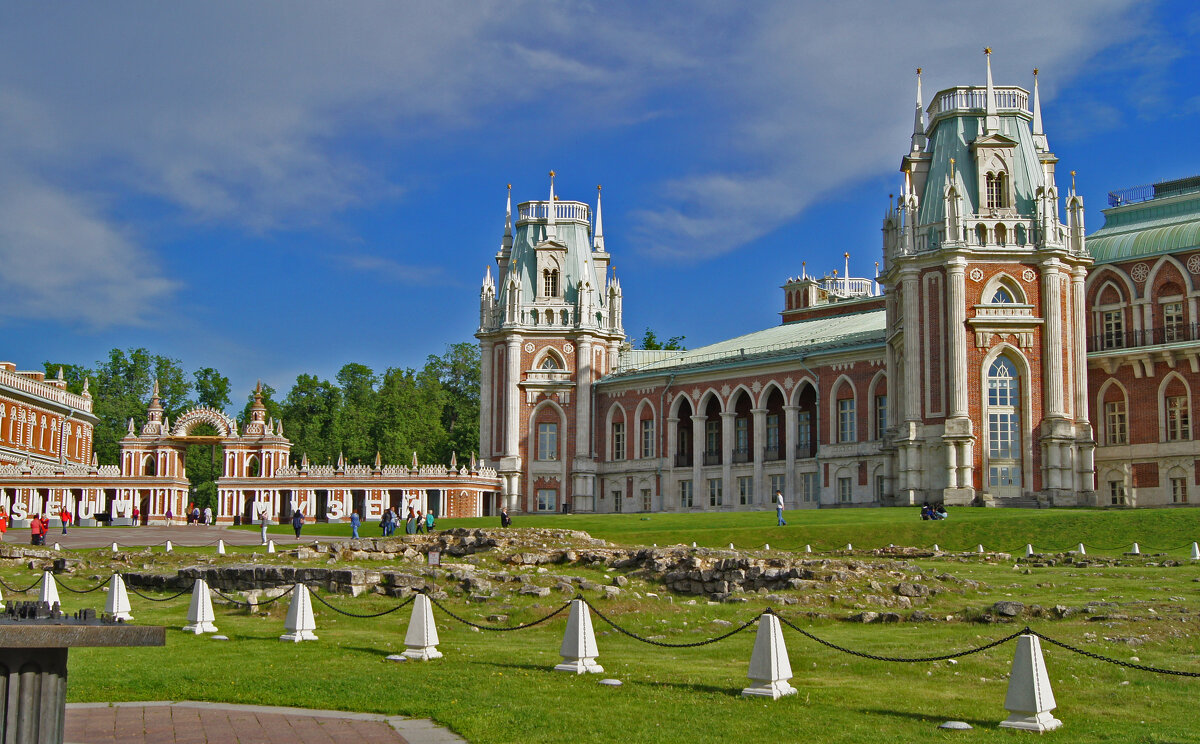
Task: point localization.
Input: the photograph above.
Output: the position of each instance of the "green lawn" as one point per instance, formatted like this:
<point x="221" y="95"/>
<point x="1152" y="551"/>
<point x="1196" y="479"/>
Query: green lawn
<point x="498" y="687"/>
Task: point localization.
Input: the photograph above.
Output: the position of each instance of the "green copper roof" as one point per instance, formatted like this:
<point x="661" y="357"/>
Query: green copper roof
<point x="578" y="265"/>
<point x="782" y="342"/>
<point x="952" y="138"/>
<point x="1147" y="228"/>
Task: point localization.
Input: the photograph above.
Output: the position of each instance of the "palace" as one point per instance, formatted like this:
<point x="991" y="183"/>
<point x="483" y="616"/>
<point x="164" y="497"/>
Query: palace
<point x="999" y="357"/>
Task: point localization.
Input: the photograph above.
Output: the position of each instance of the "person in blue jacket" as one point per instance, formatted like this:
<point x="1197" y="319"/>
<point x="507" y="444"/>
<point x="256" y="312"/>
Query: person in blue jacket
<point x="355" y="521"/>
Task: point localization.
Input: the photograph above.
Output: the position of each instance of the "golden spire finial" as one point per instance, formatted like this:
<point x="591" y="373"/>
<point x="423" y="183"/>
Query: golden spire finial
<point x="1035" y="72"/>
<point x="918" y="70"/>
<point x="952" y="167"/>
<point x="552" y="174"/>
<point x="987" y="50"/>
<point x="510" y="187"/>
<point x="1072" y="180"/>
<point x="598" y="187"/>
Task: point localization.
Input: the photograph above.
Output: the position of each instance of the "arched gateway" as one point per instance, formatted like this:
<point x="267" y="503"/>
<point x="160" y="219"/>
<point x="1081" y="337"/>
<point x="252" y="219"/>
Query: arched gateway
<point x="257" y="478"/>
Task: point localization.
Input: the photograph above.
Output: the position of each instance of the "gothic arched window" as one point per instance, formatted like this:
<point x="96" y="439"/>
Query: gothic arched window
<point x="1004" y="424"/>
<point x="996" y="197"/>
<point x="550" y="282"/>
<point x="1002" y="297"/>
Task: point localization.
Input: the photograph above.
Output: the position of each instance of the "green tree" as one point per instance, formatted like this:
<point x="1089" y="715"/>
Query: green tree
<point x="309" y="412"/>
<point x="458" y="372"/>
<point x="212" y="389"/>
<point x="355" y="419"/>
<point x="121" y="391"/>
<point x="74" y="374"/>
<point x="274" y="410"/>
<point x="674" y="343"/>
<point x="409" y="417"/>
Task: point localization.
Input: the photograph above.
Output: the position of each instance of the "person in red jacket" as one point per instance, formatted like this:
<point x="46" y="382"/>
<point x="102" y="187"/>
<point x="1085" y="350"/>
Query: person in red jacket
<point x="65" y="517"/>
<point x="36" y="535"/>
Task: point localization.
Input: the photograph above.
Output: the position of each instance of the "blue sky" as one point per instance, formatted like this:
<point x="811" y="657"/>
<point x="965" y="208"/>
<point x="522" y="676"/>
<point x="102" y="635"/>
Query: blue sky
<point x="278" y="188"/>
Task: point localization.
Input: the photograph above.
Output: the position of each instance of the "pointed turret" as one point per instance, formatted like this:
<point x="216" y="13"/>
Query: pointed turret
<point x="341" y="461"/>
<point x="304" y="461"/>
<point x="1039" y="135"/>
<point x="60" y="374"/>
<point x="598" y="237"/>
<point x="551" y="214"/>
<point x="95" y="461"/>
<point x="506" y="243"/>
<point x="378" y="460"/>
<point x="414" y="464"/>
<point x="991" y="124"/>
<point x="86" y="383"/>
<point x="918" y="135"/>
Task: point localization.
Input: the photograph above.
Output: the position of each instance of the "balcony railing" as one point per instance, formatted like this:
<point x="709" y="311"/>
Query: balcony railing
<point x="1173" y="334"/>
<point x="969" y="98"/>
<point x="772" y="453"/>
<point x="683" y="460"/>
<point x="712" y="458"/>
<point x="804" y="450"/>
<point x="563" y="210"/>
<point x="741" y="454"/>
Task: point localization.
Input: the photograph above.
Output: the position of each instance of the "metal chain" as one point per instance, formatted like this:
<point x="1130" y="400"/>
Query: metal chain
<point x="163" y="599"/>
<point x="1118" y="662"/>
<point x="14" y="590"/>
<point x="497" y="628"/>
<point x="944" y="657"/>
<point x="323" y="601"/>
<point x="101" y="585"/>
<point x="695" y="644"/>
<point x="239" y="603"/>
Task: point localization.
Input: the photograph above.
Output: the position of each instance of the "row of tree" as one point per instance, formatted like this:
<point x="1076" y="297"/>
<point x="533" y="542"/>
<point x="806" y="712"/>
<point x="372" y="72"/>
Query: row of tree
<point x="432" y="411"/>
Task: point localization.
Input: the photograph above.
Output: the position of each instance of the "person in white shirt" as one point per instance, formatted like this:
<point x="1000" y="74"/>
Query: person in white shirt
<point x="779" y="507"/>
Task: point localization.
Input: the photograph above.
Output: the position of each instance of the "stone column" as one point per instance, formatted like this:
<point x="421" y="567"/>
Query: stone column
<point x="951" y="464"/>
<point x="758" y="451"/>
<point x="1052" y="345"/>
<point x="1079" y="320"/>
<point x="698" y="446"/>
<point x="512" y="393"/>
<point x="912" y="345"/>
<point x="583" y="399"/>
<point x="727" y="425"/>
<point x="485" y="400"/>
<point x="956" y="332"/>
<point x="672" y="442"/>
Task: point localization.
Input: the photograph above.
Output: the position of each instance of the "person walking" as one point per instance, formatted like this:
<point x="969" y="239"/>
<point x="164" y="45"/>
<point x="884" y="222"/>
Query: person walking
<point x="779" y="507"/>
<point x="355" y="521"/>
<point x="262" y="518"/>
<point x="429" y="521"/>
<point x="136" y="515"/>
<point x="297" y="521"/>
<point x="208" y="516"/>
<point x="65" y="517"/>
<point x="3" y="522"/>
<point x="420" y="522"/>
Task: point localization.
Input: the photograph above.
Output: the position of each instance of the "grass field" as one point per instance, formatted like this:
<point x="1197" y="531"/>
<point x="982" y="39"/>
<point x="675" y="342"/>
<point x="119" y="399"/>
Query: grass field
<point x="498" y="687"/>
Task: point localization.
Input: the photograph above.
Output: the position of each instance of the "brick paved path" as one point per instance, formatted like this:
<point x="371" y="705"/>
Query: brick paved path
<point x="218" y="723"/>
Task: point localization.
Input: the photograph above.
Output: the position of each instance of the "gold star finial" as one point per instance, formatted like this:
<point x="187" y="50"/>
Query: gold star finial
<point x="1035" y="72"/>
<point x="987" y="50"/>
<point x="918" y="70"/>
<point x="552" y="174"/>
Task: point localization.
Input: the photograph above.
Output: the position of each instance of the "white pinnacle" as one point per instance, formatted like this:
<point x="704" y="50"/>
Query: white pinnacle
<point x="49" y="593"/>
<point x="421" y="640"/>
<point x="579" y="649"/>
<point x="770" y="668"/>
<point x="300" y="622"/>
<point x="200" y="615"/>
<point x="117" y="602"/>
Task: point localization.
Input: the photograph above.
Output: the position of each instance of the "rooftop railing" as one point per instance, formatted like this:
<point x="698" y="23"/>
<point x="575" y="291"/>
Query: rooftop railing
<point x="975" y="99"/>
<point x="563" y="210"/>
<point x="45" y="392"/>
<point x="1146" y="192"/>
<point x="1172" y="334"/>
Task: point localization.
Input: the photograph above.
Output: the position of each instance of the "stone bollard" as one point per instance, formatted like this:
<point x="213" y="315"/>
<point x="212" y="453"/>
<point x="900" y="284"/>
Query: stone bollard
<point x="421" y="640"/>
<point x="579" y="649"/>
<point x="767" y="546"/>
<point x="849" y="548"/>
<point x="936" y="549"/>
<point x="979" y="548"/>
<point x="200" y="613"/>
<point x="300" y="622"/>
<point x="1136" y="550"/>
<point x="1028" y="550"/>
<point x="807" y="548"/>
<point x="1029" y="697"/>
<point x="270" y="546"/>
<point x="220" y="547"/>
<point x="1195" y="552"/>
<point x="117" y="602"/>
<point x="49" y="593"/>
<point x="770" y="668"/>
<point x="693" y="544"/>
<point x="169" y="546"/>
<point x="731" y="546"/>
<point x="1" y="601"/>
<point x="57" y="547"/>
<point x="1082" y="550"/>
<point x="114" y="547"/>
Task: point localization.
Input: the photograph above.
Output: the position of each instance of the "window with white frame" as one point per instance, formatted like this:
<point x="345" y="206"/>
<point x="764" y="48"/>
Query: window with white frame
<point x="996" y="197"/>
<point x="1113" y="323"/>
<point x="1004" y="424"/>
<point x="1178" y="422"/>
<point x="647" y="500"/>
<point x="803" y="433"/>
<point x="845" y="490"/>
<point x="1001" y="297"/>
<point x="809" y="488"/>
<point x="547" y="441"/>
<point x="1116" y="428"/>
<point x="772" y="443"/>
<point x="685" y="494"/>
<point x="647" y="438"/>
<point x="746" y="490"/>
<point x="715" y="497"/>
<point x="618" y="440"/>
<point x="880" y="416"/>
<point x="712" y="438"/>
<point x="880" y="485"/>
<point x="1116" y="492"/>
<point x="1179" y="494"/>
<point x="777" y="483"/>
<point x="547" y="499"/>
<point x="1173" y="325"/>
<point x="619" y="501"/>
<point x="847" y="431"/>
<point x="741" y="436"/>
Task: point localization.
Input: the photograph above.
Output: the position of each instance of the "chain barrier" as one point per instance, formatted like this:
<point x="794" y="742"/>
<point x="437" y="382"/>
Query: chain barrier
<point x="1110" y="660"/>
<point x="694" y="644"/>
<point x="497" y="628"/>
<point x="162" y="599"/>
<point x="97" y="587"/>
<point x="906" y="660"/>
<point x="340" y="611"/>
<point x="239" y="603"/>
<point x="14" y="590"/>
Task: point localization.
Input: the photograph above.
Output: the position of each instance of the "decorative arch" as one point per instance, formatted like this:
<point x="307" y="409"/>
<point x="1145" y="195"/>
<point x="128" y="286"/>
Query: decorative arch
<point x="807" y="381"/>
<point x="560" y="418"/>
<point x="616" y="415"/>
<point x="843" y="422"/>
<point x="192" y="418"/>
<point x="1114" y="423"/>
<point x="876" y="388"/>
<point x="549" y="354"/>
<point x="1163" y="263"/>
<point x="1022" y="406"/>
<point x="765" y="394"/>
<point x="1174" y="423"/>
<point x="645" y="412"/>
<point x="1105" y="274"/>
<point x="1003" y="282"/>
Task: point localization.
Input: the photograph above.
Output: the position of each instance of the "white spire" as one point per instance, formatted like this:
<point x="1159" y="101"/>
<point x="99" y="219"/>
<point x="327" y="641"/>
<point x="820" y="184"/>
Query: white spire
<point x="598" y="237"/>
<point x="551" y="229"/>
<point x="487" y="277"/>
<point x="918" y="135"/>
<point x="506" y="244"/>
<point x="992" y="123"/>
<point x="1039" y="136"/>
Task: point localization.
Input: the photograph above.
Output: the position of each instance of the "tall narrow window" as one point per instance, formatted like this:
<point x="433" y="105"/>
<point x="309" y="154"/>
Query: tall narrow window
<point x="547" y="441"/>
<point x="845" y="490"/>
<point x="685" y="494"/>
<point x="647" y="438"/>
<point x="1004" y="424"/>
<point x="1173" y="326"/>
<point x="746" y="490"/>
<point x="647" y="500"/>
<point x="1178" y="422"/>
<point x="618" y="440"/>
<point x="803" y="434"/>
<point x="550" y="282"/>
<point x="712" y="441"/>
<point x="1114" y="329"/>
<point x="741" y="439"/>
<point x="1115" y="424"/>
<point x="1116" y="492"/>
<point x="546" y="499"/>
<point x="995" y="191"/>
<point x="880" y="416"/>
<point x="715" y="497"/>
<point x="772" y="443"/>
<point x="847" y="431"/>
<point x="1179" y="493"/>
